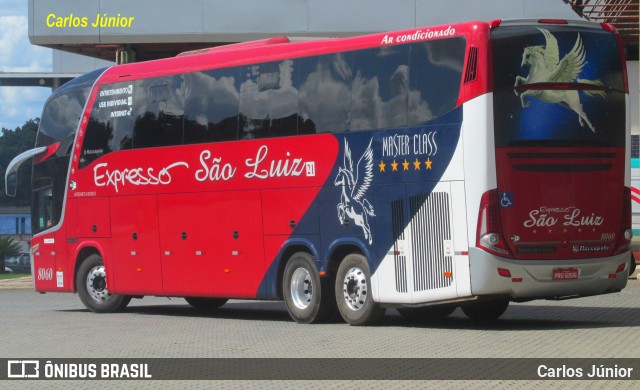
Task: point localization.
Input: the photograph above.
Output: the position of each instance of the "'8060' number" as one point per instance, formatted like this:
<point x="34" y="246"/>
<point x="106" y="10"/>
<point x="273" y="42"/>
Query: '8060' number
<point x="45" y="273"/>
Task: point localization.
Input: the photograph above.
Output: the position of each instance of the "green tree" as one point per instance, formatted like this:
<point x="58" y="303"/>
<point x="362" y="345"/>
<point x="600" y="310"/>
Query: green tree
<point x="12" y="143"/>
<point x="8" y="247"/>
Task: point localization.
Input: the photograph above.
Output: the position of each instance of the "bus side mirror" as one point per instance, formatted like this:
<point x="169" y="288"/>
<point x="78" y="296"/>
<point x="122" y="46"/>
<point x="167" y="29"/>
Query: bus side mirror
<point x="11" y="174"/>
<point x="11" y="184"/>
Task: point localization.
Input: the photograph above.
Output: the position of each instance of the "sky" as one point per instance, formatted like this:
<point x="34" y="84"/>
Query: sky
<point x="17" y="54"/>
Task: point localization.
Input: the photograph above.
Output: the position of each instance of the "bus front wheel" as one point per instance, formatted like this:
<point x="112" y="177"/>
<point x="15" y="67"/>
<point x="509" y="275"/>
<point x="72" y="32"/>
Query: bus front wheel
<point x="308" y="297"/>
<point x="91" y="283"/>
<point x="353" y="292"/>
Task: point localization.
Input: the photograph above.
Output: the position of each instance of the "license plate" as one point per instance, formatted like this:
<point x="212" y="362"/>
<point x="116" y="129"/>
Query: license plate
<point x="565" y="274"/>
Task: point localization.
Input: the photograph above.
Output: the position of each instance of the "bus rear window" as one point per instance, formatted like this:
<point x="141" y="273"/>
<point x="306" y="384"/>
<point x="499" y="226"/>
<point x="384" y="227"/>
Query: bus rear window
<point x="557" y="86"/>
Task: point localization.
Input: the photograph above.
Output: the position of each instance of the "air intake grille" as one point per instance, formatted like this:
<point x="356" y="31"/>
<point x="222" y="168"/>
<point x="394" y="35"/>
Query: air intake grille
<point x="472" y="65"/>
<point x="430" y="231"/>
<point x="400" y="259"/>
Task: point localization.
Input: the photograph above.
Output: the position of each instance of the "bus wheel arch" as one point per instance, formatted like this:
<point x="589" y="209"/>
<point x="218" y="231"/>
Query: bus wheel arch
<point x="91" y="285"/>
<point x="353" y="291"/>
<point x="284" y="258"/>
<point x="81" y="257"/>
<point x="307" y="296"/>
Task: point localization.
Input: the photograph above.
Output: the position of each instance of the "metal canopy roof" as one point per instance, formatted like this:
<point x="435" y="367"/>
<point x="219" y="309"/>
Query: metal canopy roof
<point x="622" y="14"/>
<point x="164" y="31"/>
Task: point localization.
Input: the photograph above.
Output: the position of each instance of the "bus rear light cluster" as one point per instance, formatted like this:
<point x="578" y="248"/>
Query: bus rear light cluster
<point x="489" y="233"/>
<point x="621" y="267"/>
<point x="623" y="56"/>
<point x="505" y="273"/>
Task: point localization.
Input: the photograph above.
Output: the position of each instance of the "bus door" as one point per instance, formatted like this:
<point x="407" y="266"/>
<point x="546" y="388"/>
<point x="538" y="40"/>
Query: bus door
<point x="50" y="267"/>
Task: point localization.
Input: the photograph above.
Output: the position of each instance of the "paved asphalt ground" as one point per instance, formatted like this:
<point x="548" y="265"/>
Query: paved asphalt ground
<point x="54" y="326"/>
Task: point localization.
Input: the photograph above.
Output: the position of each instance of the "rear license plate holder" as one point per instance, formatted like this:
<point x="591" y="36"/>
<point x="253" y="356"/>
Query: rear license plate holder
<point x="566" y="273"/>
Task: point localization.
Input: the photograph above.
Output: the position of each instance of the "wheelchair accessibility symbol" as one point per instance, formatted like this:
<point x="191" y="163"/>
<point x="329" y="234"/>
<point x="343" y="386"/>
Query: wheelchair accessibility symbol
<point x="506" y="199"/>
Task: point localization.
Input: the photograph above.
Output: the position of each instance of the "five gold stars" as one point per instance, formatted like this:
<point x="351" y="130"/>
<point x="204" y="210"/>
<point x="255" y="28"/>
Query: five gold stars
<point x="417" y="165"/>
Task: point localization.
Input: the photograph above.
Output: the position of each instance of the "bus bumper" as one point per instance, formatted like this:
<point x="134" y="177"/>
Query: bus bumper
<point x="533" y="279"/>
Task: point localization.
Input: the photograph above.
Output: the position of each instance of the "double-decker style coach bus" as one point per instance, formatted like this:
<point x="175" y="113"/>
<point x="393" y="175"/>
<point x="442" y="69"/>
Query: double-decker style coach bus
<point x="464" y="165"/>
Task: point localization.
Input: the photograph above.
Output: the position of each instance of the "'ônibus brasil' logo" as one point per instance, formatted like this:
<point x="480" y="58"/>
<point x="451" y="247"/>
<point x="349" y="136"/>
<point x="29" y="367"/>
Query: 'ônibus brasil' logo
<point x="355" y="183"/>
<point x="545" y="67"/>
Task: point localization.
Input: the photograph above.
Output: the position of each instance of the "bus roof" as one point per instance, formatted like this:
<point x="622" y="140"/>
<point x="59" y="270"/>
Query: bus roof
<point x="280" y="48"/>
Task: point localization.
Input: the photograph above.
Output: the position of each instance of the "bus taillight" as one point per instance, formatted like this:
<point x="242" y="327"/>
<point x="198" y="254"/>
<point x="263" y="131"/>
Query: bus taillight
<point x="552" y="21"/>
<point x="623" y="57"/>
<point x="489" y="233"/>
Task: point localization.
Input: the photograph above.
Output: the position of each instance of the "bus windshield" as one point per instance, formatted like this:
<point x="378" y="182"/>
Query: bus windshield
<point x="59" y="124"/>
<point x="557" y="87"/>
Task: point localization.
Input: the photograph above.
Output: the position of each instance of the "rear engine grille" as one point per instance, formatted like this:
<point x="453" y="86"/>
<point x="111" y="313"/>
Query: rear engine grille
<point x="430" y="229"/>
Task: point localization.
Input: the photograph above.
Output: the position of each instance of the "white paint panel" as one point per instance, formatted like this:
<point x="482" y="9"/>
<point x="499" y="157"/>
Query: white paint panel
<point x="479" y="156"/>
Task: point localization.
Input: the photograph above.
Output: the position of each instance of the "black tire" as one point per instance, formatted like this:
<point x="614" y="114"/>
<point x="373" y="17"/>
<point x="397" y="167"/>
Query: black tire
<point x="202" y="303"/>
<point x="486" y="311"/>
<point x="91" y="284"/>
<point x="632" y="265"/>
<point x="426" y="313"/>
<point x="353" y="292"/>
<point x="308" y="298"/>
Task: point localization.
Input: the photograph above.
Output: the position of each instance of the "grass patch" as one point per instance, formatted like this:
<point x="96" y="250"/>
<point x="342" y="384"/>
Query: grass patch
<point x="12" y="276"/>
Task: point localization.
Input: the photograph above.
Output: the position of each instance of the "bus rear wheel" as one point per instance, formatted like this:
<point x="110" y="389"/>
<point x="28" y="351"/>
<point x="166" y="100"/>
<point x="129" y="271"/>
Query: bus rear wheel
<point x="91" y="283"/>
<point x="202" y="303"/>
<point x="308" y="297"/>
<point x="353" y="292"/>
<point x="486" y="311"/>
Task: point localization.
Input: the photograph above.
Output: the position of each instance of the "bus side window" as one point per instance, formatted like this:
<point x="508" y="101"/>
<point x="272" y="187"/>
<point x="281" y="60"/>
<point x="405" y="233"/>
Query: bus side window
<point x="283" y="101"/>
<point x="434" y="78"/>
<point x="325" y="93"/>
<point x="212" y="104"/>
<point x="380" y="88"/>
<point x="269" y="100"/>
<point x="159" y="108"/>
<point x="110" y="126"/>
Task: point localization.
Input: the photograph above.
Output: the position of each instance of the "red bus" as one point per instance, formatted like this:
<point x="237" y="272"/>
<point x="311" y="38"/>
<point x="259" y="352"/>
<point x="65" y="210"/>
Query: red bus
<point x="464" y="165"/>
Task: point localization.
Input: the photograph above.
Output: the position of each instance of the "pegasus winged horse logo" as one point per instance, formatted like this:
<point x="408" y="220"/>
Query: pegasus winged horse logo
<point x="545" y="66"/>
<point x="353" y="205"/>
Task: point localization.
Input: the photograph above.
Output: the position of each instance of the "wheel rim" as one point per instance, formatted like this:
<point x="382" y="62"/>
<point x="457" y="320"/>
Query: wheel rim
<point x="355" y="288"/>
<point x="97" y="284"/>
<point x="301" y="288"/>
